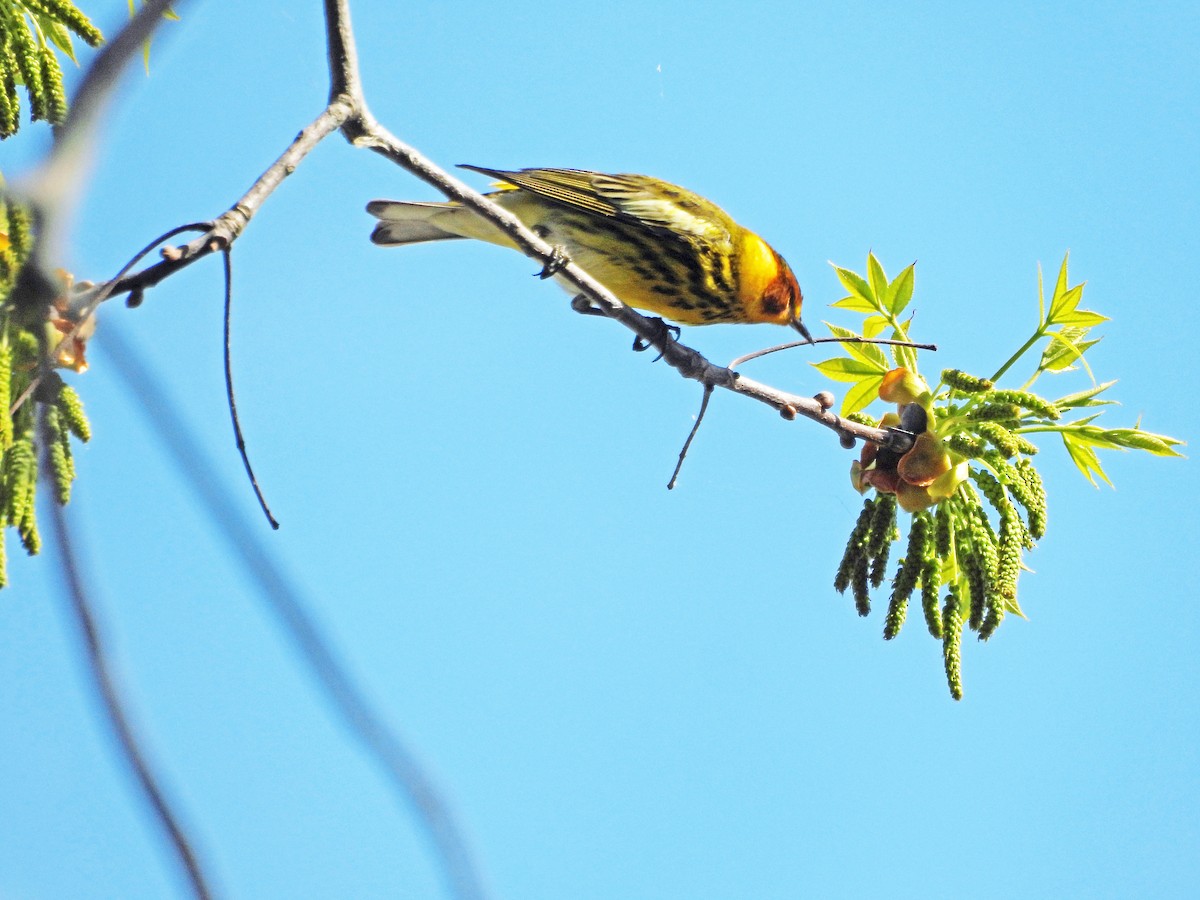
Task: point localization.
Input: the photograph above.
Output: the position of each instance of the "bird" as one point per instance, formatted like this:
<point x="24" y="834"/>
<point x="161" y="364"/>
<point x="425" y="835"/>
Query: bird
<point x="656" y="246"/>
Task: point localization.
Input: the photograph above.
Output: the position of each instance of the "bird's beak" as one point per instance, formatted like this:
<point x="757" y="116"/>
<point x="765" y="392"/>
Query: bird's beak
<point x="799" y="326"/>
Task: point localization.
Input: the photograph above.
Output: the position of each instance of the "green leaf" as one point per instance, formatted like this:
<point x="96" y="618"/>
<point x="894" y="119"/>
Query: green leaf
<point x="842" y="369"/>
<point x="861" y="395"/>
<point x="1060" y="286"/>
<point x="1041" y="298"/>
<point x="1136" y="439"/>
<point x="1085" y="458"/>
<point x="877" y="277"/>
<point x="900" y="291"/>
<point x="59" y="35"/>
<point x="873" y="325"/>
<point x="1083" y="318"/>
<point x="857" y="286"/>
<point x="854" y="304"/>
<point x="868" y="353"/>
<point x="1086" y="398"/>
<point x="1063" y="305"/>
<point x="1064" y="349"/>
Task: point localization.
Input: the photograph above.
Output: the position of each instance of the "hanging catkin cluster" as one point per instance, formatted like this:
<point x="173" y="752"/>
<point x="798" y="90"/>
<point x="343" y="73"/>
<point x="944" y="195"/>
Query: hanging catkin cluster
<point x="28" y="391"/>
<point x="30" y="30"/>
<point x="968" y="481"/>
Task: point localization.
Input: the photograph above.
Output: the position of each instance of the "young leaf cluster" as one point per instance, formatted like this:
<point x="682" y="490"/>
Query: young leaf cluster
<point x="976" y="498"/>
<point x="30" y="33"/>
<point x="26" y="394"/>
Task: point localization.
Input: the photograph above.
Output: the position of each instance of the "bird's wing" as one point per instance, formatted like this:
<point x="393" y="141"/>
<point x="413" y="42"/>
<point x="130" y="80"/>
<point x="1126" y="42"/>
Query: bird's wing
<point x="654" y="204"/>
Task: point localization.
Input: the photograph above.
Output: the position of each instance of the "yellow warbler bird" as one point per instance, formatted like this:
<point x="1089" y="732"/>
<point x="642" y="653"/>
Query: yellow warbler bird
<point x="656" y="246"/>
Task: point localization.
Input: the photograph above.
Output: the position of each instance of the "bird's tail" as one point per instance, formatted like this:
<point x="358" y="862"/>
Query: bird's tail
<point x="413" y="222"/>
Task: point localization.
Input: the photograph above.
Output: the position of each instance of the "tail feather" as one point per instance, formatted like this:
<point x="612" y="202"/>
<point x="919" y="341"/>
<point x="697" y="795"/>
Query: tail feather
<point x="402" y="222"/>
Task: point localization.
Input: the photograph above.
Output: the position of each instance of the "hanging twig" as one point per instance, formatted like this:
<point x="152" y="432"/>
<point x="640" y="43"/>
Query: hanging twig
<point x="227" y="258"/>
<point x="691" y="435"/>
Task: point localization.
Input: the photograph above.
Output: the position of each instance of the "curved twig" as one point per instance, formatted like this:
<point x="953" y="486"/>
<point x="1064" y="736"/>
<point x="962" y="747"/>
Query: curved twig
<point x="683" y="452"/>
<point x="227" y="259"/>
<point x="791" y="345"/>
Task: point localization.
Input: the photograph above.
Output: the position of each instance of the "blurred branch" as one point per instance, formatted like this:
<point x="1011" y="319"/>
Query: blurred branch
<point x="50" y="193"/>
<point x="398" y="763"/>
<point x="106" y="686"/>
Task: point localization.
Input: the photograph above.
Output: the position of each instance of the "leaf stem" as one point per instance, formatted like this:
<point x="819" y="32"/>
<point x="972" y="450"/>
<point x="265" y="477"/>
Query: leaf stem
<point x="1037" y="336"/>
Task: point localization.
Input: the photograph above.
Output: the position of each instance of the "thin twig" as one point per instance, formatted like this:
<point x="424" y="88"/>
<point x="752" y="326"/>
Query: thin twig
<point x="791" y="345"/>
<point x="105" y="683"/>
<point x="382" y="745"/>
<point x="691" y="435"/>
<point x="227" y="257"/>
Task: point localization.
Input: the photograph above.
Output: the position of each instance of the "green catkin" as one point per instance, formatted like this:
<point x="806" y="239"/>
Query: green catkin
<point x="60" y="463"/>
<point x="20" y="230"/>
<point x="1014" y="483"/>
<point x="25" y="52"/>
<point x="944" y="533"/>
<point x="999" y="437"/>
<point x="74" y="417"/>
<point x="879" y="565"/>
<point x="1004" y="592"/>
<point x="863" y="418"/>
<point x="20" y="471"/>
<point x="860" y="583"/>
<point x="991" y="489"/>
<point x="855" y="547"/>
<point x="1025" y="446"/>
<point x="28" y="530"/>
<point x="968" y="446"/>
<point x="976" y="569"/>
<point x="10" y="102"/>
<point x="952" y="643"/>
<point x="980" y="560"/>
<point x="967" y="384"/>
<point x="6" y="360"/>
<point x="879" y="541"/>
<point x="995" y="412"/>
<point x="931" y="588"/>
<point x="1039" y="406"/>
<point x="69" y="15"/>
<point x="64" y="438"/>
<point x="52" y="81"/>
<point x="897" y="611"/>
<point x="907" y="574"/>
<point x="1036" y="492"/>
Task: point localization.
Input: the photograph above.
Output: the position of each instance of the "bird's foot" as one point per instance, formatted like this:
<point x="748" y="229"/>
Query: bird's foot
<point x="554" y="265"/>
<point x="582" y="305"/>
<point x="663" y="333"/>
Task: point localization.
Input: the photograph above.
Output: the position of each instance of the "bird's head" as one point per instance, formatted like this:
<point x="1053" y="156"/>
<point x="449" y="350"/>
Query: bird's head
<point x="784" y="298"/>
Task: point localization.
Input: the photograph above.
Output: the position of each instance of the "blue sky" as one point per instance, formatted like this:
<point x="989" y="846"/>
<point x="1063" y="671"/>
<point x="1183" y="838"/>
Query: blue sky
<point x="624" y="692"/>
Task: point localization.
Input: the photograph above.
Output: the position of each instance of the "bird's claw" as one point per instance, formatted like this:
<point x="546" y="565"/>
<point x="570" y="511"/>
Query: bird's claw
<point x="665" y="333"/>
<point x="558" y="259"/>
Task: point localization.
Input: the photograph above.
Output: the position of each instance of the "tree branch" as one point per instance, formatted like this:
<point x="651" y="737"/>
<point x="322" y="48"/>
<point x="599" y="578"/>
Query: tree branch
<point x="348" y="112"/>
